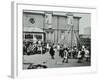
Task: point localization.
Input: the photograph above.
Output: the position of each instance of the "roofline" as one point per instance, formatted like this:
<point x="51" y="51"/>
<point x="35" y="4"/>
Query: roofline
<point x="53" y="14"/>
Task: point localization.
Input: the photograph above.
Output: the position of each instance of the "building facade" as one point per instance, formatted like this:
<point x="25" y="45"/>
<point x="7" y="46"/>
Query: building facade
<point x="85" y="40"/>
<point x="51" y="27"/>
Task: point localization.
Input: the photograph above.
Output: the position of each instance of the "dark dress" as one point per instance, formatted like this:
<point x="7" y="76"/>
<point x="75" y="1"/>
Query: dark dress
<point x="82" y="53"/>
<point x="52" y="52"/>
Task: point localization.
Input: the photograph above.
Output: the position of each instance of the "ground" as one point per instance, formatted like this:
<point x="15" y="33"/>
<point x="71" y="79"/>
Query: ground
<point x="46" y="60"/>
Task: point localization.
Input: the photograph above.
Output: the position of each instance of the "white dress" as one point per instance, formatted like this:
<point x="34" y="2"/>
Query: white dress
<point x="86" y="53"/>
<point x="65" y="54"/>
<point x="79" y="54"/>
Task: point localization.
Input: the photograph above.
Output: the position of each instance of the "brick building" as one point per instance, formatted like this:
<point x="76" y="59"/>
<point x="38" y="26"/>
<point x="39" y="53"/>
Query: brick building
<point x="48" y="26"/>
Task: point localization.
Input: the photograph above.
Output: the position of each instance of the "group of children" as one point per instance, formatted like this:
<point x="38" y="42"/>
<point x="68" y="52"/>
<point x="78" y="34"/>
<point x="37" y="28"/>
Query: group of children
<point x="66" y="53"/>
<point x="63" y="52"/>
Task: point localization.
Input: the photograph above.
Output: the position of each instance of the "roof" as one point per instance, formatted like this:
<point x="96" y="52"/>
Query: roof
<point x="54" y="13"/>
<point x="32" y="29"/>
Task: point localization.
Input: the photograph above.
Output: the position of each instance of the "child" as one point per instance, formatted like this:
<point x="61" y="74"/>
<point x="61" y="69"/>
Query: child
<point x="87" y="55"/>
<point x="79" y="56"/>
<point x="65" y="60"/>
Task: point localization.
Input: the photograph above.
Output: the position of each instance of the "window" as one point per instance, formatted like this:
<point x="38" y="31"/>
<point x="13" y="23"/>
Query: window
<point x="28" y="36"/>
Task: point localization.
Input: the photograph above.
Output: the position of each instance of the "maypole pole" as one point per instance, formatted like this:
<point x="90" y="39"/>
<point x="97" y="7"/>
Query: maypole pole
<point x="70" y="23"/>
<point x="72" y="37"/>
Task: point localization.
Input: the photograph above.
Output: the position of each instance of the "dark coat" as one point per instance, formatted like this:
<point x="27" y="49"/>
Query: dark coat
<point x="52" y="51"/>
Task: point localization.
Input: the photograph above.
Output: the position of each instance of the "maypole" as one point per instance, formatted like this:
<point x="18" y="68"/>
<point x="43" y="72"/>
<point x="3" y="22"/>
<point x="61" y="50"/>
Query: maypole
<point x="70" y="24"/>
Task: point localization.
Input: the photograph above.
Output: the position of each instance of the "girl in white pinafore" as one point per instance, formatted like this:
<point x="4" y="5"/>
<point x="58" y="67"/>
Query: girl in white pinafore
<point x="87" y="54"/>
<point x="65" y="59"/>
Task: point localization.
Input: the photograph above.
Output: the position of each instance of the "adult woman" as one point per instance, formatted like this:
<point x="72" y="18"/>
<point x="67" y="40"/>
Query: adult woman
<point x="52" y="52"/>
